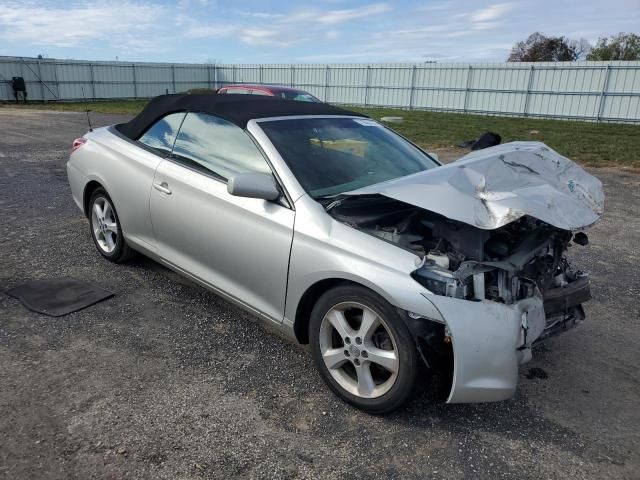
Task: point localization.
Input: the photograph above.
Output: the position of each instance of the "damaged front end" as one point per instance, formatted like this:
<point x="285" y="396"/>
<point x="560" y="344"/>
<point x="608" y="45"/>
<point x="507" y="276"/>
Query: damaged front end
<point x="525" y="259"/>
<point x="496" y="270"/>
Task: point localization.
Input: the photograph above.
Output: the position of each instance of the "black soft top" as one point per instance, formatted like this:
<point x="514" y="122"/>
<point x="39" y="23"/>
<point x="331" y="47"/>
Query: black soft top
<point x="238" y="109"/>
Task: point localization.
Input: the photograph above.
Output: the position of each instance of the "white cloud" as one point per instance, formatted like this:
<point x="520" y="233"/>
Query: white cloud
<point x="261" y="15"/>
<point x="258" y="36"/>
<point x="492" y="12"/>
<point x="332" y="17"/>
<point x="316" y="15"/>
<point x="484" y="25"/>
<point x="278" y="29"/>
<point x="76" y="24"/>
<point x="246" y="34"/>
<point x="190" y="4"/>
<point x="446" y="30"/>
<point x="422" y="32"/>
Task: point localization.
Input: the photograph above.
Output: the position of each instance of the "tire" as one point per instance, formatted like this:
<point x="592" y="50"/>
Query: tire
<point x="105" y="229"/>
<point x="374" y="334"/>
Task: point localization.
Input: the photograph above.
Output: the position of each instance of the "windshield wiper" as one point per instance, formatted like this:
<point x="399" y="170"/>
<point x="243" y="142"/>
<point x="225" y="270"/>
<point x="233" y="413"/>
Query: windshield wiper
<point x="341" y="198"/>
<point x="333" y="204"/>
<point x="330" y="201"/>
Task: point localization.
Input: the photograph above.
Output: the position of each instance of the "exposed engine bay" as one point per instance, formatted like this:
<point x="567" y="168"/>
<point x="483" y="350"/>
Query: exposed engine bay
<point x="522" y="259"/>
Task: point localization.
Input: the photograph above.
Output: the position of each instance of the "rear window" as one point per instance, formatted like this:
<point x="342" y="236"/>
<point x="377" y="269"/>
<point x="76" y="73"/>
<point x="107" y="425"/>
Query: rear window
<point x="297" y="95"/>
<point x="244" y="91"/>
<point x="162" y="134"/>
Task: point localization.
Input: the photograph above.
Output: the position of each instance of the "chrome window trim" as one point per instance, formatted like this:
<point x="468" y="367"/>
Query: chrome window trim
<point x="302" y="117"/>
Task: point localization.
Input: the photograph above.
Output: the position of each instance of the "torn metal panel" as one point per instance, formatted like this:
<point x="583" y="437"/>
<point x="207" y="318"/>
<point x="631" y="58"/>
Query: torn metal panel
<point x="493" y="187"/>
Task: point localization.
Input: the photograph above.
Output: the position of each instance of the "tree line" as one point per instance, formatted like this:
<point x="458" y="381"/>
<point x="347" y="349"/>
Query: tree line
<point x="541" y="48"/>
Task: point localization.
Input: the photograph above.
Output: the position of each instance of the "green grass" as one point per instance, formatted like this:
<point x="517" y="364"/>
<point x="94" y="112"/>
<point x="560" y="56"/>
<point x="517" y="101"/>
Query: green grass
<point x="130" y="107"/>
<point x="592" y="144"/>
<point x="588" y="143"/>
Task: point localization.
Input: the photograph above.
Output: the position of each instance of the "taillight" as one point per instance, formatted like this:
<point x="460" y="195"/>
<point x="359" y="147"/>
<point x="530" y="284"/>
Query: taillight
<point x="77" y="143"/>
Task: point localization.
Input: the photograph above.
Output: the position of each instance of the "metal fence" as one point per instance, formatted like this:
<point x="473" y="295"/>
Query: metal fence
<point x="595" y="91"/>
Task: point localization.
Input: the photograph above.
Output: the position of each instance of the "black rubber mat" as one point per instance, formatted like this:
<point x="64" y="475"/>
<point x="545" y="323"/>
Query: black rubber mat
<point x="58" y="296"/>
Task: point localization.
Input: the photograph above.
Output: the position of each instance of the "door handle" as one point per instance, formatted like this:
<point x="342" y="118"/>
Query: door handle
<point x="162" y="187"/>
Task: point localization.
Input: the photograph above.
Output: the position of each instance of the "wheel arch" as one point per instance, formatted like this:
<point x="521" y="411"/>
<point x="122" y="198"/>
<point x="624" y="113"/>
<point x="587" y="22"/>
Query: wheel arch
<point x="426" y="333"/>
<point x="311" y="296"/>
<point x="89" y="188"/>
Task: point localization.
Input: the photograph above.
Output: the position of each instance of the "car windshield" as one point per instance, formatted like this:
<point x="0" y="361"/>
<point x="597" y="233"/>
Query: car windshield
<point x="330" y="156"/>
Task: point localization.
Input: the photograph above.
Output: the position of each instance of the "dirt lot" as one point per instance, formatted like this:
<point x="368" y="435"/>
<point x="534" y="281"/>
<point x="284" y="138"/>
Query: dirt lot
<point x="169" y="381"/>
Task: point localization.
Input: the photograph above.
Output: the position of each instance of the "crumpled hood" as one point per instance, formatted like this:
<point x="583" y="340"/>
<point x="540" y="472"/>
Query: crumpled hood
<point x="495" y="186"/>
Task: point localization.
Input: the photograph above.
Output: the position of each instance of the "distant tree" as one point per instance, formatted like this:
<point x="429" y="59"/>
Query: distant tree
<point x="624" y="46"/>
<point x="581" y="47"/>
<point x="540" y="48"/>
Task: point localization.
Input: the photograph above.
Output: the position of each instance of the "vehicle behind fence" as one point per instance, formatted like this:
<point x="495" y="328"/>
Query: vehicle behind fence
<point x="595" y="91"/>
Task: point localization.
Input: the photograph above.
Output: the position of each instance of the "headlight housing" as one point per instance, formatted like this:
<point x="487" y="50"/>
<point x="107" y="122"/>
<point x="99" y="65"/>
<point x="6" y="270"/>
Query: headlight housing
<point x="440" y="281"/>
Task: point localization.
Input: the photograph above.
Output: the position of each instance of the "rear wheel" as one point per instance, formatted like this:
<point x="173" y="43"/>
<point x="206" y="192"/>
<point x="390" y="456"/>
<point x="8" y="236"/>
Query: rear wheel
<point x="363" y="349"/>
<point x="105" y="227"/>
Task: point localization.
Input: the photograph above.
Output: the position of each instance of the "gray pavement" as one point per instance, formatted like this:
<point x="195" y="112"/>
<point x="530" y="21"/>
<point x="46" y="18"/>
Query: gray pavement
<point x="168" y="381"/>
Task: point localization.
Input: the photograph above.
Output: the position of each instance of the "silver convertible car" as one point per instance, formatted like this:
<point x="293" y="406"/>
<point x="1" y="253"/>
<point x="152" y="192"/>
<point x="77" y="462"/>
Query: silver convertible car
<point x="346" y="236"/>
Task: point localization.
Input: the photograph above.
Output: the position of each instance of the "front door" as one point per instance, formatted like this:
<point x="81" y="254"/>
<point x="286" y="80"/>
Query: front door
<point x="239" y="246"/>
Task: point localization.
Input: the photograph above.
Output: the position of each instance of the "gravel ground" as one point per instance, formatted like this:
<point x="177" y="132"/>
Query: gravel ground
<point x="168" y="381"/>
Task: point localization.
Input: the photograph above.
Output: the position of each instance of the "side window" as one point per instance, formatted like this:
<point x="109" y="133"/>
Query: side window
<point x="163" y="133"/>
<point x="217" y="145"/>
<point x="260" y="92"/>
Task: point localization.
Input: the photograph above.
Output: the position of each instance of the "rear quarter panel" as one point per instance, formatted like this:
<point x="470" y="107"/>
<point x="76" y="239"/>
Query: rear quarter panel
<point x="126" y="171"/>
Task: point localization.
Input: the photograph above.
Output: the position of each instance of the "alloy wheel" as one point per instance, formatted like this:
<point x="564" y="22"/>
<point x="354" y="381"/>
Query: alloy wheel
<point x="359" y="350"/>
<point x="104" y="224"/>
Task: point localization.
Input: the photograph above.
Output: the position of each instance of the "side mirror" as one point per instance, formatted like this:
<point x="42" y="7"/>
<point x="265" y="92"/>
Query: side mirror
<point x="253" y="185"/>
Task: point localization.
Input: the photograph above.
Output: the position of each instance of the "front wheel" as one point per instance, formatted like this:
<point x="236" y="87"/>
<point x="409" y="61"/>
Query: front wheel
<point x="363" y="349"/>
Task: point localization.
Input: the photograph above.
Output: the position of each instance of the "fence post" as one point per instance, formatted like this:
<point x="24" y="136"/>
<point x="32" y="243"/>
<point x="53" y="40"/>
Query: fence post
<point x="135" y="86"/>
<point x="603" y="93"/>
<point x="215" y="76"/>
<point x="233" y="74"/>
<point x="93" y="82"/>
<point x="413" y="87"/>
<point x="173" y="77"/>
<point x="466" y="91"/>
<point x="22" y="70"/>
<point x="367" y="84"/>
<point x="529" y="85"/>
<point x="209" y="77"/>
<point x="293" y="75"/>
<point x="41" y="82"/>
<point x="326" y="82"/>
<point x="55" y="76"/>
<point x="260" y="77"/>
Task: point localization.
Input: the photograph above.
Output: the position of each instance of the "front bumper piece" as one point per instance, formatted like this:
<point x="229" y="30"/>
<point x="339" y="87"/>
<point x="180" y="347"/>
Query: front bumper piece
<point x="490" y="340"/>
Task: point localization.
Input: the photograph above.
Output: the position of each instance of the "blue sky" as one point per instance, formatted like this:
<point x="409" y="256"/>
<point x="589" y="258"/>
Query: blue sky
<point x="300" y="32"/>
